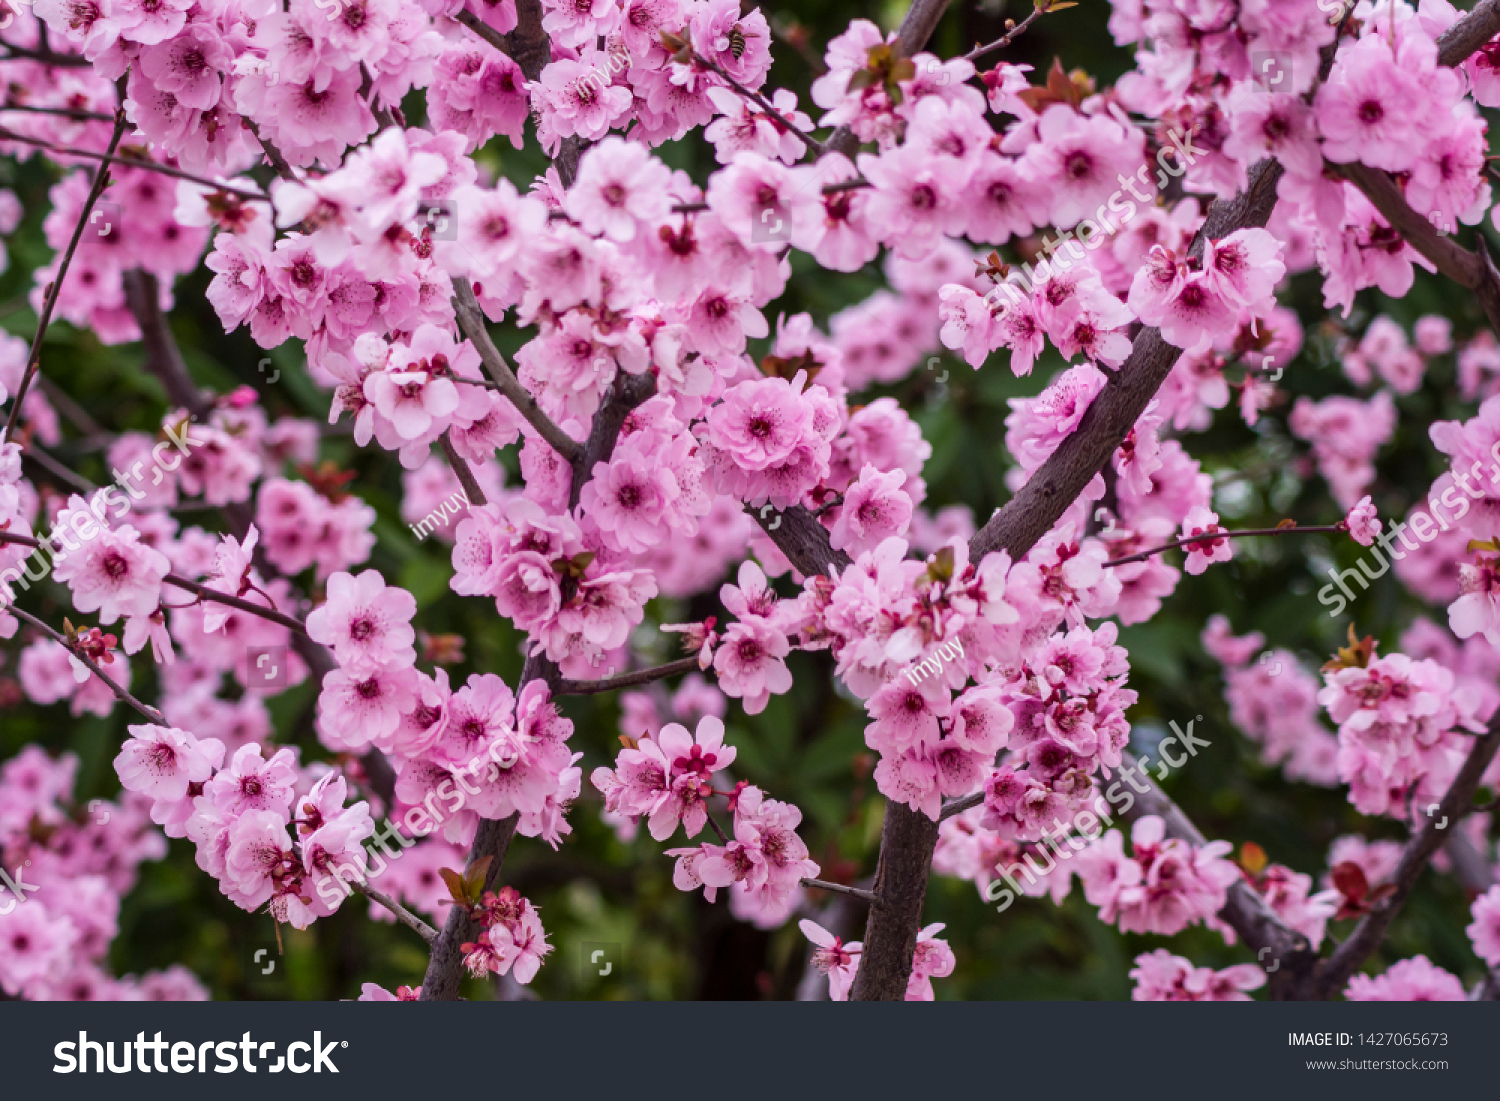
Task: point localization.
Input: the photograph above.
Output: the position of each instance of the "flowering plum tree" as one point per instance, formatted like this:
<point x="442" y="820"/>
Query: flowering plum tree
<point x="1135" y="251"/>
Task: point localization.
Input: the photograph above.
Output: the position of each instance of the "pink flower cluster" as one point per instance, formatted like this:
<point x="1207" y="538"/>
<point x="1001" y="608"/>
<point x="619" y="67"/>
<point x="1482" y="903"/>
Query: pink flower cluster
<point x="931" y="959"/>
<point x="241" y="816"/>
<point x="1399" y="723"/>
<point x="1068" y="702"/>
<point x="886" y="610"/>
<point x="763" y="862"/>
<point x="667" y="777"/>
<point x="1164" y="886"/>
<point x="1273" y="700"/>
<point x="72" y="865"/>
<point x="1415" y="980"/>
<point x="511" y="939"/>
<point x="1162" y="977"/>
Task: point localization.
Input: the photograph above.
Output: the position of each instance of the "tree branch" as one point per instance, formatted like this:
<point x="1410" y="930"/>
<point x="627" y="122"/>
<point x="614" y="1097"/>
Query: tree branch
<point x="916" y="28"/>
<point x="46" y="57"/>
<point x="461" y="469"/>
<point x="1473" y="271"/>
<point x="403" y="915"/>
<point x="625" y="393"/>
<point x="1191" y="540"/>
<point x="471" y="321"/>
<point x="143" y="295"/>
<point x="34" y="358"/>
<point x="445" y="967"/>
<point x="482" y="29"/>
<point x="1371" y="930"/>
<point x="626" y="680"/>
<point x="839" y="888"/>
<point x="809" y="142"/>
<point x="1010" y="36"/>
<point x="1252" y="918"/>
<point x="121" y="694"/>
<point x="1031" y="513"/>
<point x="799" y="536"/>
<point x="1458" y="42"/>
<point x="130" y="160"/>
<point x="278" y="162"/>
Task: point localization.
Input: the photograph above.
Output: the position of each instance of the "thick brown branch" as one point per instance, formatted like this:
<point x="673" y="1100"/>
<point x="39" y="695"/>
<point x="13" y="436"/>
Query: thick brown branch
<point x="532" y="50"/>
<point x="445" y="967"/>
<point x="907" y="841"/>
<point x="1458" y="42"/>
<point x="1031" y="513"/>
<point x="1371" y="930"/>
<point x="625" y="393"/>
<point x="799" y="536"/>
<point x="1282" y="951"/>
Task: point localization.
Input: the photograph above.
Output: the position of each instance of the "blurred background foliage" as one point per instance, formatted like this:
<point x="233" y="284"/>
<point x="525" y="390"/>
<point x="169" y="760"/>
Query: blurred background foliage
<point x="807" y="747"/>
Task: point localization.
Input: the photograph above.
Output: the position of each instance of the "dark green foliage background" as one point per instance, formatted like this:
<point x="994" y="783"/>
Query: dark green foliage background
<point x="806" y="747"/>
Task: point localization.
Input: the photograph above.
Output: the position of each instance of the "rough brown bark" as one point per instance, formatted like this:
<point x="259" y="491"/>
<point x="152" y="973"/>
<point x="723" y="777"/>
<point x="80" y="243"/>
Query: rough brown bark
<point x="907" y="841"/>
<point x="1330" y="978"/>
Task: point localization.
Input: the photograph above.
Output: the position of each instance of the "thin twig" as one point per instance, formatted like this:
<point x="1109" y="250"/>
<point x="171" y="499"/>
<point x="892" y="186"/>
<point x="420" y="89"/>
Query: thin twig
<point x="461" y="469"/>
<point x="71" y="409"/>
<point x="718" y="829"/>
<point x="278" y="162"/>
<point x="120" y="694"/>
<point x="403" y="915"/>
<point x="56" y="469"/>
<point x="202" y="591"/>
<point x="1210" y="537"/>
<point x="472" y="321"/>
<point x="132" y="161"/>
<point x="823" y="885"/>
<point x="34" y="359"/>
<point x="1010" y="36"/>
<point x="812" y="143"/>
<point x="626" y="680"/>
<point x="958" y="806"/>
<point x="62" y="112"/>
